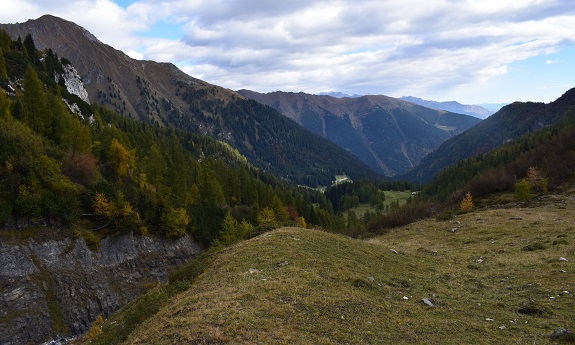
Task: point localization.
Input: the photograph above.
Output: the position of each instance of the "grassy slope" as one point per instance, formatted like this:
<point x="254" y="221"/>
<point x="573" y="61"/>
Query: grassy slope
<point x="335" y="290"/>
<point x="390" y="197"/>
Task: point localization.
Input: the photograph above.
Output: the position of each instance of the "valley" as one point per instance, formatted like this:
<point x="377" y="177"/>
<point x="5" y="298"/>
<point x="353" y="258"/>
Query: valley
<point x="141" y="205"/>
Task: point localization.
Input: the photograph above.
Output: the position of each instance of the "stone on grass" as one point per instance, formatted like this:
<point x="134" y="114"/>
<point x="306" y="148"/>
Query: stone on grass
<point x="428" y="302"/>
<point x="563" y="334"/>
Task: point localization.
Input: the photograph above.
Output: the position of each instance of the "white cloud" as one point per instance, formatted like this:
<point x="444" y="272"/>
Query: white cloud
<point x="390" y="47"/>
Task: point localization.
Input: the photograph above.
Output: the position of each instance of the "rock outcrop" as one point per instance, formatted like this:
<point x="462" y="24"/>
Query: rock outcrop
<point x="58" y="287"/>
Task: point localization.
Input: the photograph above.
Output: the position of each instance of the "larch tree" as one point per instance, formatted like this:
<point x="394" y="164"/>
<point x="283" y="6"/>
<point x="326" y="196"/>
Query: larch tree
<point x="35" y="107"/>
<point x="120" y="159"/>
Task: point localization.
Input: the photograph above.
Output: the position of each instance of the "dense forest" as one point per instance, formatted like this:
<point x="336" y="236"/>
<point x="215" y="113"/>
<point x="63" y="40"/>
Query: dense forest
<point x="69" y="164"/>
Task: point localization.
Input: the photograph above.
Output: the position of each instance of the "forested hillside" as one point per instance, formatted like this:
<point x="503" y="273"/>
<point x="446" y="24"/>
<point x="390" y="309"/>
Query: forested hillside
<point x="161" y="94"/>
<point x="64" y="162"/>
<point x="520" y="170"/>
<point x="512" y="121"/>
<point x="388" y="134"/>
<point x="546" y="159"/>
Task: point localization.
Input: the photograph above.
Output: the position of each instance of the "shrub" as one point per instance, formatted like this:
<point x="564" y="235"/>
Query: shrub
<point x="95" y="329"/>
<point x="523" y="190"/>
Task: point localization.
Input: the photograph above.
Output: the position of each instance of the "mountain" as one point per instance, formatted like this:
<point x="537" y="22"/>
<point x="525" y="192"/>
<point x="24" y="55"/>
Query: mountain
<point x="96" y="208"/>
<point x="338" y="94"/>
<point x="389" y="135"/>
<point x="160" y="93"/>
<point x="455" y="107"/>
<point x="512" y="121"/>
<point x="493" y="107"/>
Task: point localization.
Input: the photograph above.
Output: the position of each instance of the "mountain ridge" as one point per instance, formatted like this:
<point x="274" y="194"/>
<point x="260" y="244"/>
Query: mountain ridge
<point x="161" y="94"/>
<point x="512" y="121"/>
<point x="388" y="134"/>
<point x="453" y="106"/>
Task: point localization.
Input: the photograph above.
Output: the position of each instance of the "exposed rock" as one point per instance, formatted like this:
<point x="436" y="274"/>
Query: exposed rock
<point x="59" y="287"/>
<point x="428" y="302"/>
<point x="563" y="334"/>
<point x="74" y="83"/>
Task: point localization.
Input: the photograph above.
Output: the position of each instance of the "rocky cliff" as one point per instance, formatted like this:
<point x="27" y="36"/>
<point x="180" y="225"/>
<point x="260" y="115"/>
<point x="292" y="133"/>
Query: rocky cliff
<point x="58" y="287"/>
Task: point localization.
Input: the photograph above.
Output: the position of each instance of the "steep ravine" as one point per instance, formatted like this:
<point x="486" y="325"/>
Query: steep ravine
<point x="58" y="287"/>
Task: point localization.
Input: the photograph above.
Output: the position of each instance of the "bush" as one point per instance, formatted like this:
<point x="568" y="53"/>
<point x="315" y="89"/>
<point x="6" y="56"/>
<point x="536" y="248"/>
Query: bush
<point x="523" y="191"/>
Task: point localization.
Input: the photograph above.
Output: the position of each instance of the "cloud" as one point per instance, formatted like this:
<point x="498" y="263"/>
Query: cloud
<point x="387" y="47"/>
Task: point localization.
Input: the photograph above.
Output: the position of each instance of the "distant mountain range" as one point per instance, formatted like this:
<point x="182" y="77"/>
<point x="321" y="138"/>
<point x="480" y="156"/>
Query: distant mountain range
<point x="455" y="107"/>
<point x="338" y="94"/>
<point x="512" y="121"/>
<point x="481" y="111"/>
<point x="161" y="94"/>
<point x="388" y="134"/>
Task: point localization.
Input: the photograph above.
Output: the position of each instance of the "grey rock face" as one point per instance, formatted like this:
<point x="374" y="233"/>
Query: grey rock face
<point x="56" y="288"/>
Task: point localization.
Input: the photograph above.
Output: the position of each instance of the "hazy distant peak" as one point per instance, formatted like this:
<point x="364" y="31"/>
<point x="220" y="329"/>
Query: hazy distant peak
<point x="452" y="106"/>
<point x="338" y="94"/>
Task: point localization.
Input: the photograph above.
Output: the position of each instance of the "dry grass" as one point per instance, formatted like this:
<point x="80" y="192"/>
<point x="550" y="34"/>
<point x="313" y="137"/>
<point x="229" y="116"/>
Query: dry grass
<point x="494" y="277"/>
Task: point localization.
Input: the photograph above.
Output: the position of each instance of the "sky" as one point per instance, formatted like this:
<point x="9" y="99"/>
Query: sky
<point x="470" y="51"/>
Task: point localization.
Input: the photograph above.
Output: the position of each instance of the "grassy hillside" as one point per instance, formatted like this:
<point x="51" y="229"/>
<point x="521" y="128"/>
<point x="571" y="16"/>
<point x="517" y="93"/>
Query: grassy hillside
<point x="493" y="276"/>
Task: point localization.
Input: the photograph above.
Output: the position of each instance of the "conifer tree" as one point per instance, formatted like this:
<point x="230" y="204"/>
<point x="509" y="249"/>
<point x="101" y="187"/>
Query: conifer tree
<point x="35" y="110"/>
<point x="5" y="41"/>
<point x="154" y="165"/>
<point x="30" y="49"/>
<point x="232" y="230"/>
<point x="3" y="70"/>
<point x="174" y="222"/>
<point x="78" y="137"/>
<point x="120" y="159"/>
<point x="61" y="121"/>
<point x="279" y="209"/>
<point x="4" y="105"/>
<point x="466" y="204"/>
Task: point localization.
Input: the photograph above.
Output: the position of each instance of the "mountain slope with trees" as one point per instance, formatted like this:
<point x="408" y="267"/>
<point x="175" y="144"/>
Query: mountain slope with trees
<point x="63" y="167"/>
<point x="161" y="94"/>
<point x="80" y="171"/>
<point x="512" y="121"/>
<point x="389" y="135"/>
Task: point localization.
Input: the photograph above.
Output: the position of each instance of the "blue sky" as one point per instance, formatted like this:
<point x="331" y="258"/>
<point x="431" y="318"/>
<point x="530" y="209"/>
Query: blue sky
<point x="489" y="51"/>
